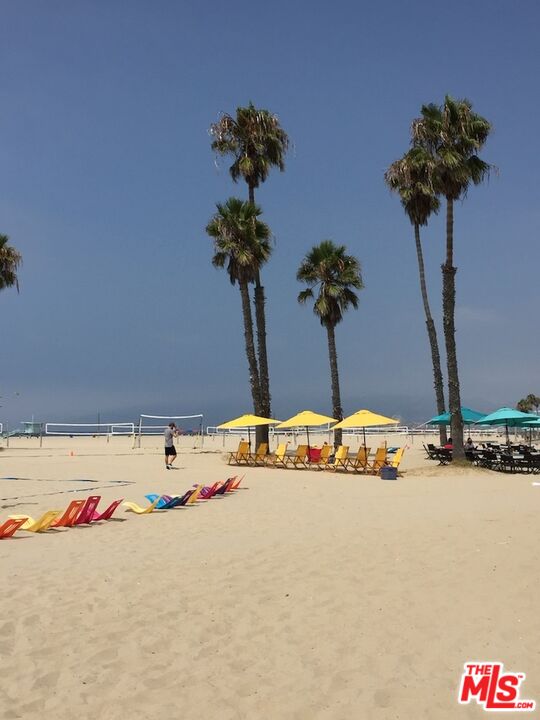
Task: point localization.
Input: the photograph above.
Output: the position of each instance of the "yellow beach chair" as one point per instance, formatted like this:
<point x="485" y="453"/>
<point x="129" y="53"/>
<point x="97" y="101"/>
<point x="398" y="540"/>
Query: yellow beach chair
<point x="378" y="461"/>
<point x="279" y="458"/>
<point x="360" y="462"/>
<point x="299" y="459"/>
<point x="340" y="459"/>
<point x="241" y="455"/>
<point x="259" y="457"/>
<point x="133" y="507"/>
<point x="194" y="495"/>
<point x="41" y="525"/>
<point x="398" y="457"/>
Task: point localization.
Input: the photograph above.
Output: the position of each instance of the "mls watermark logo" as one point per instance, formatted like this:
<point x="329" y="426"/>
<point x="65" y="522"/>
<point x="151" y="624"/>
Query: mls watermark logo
<point x="489" y="685"/>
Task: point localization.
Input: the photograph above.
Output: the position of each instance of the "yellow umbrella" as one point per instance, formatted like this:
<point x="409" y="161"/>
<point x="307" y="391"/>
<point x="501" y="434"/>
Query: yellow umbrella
<point x="248" y="421"/>
<point x="364" y="419"/>
<point x="307" y="419"/>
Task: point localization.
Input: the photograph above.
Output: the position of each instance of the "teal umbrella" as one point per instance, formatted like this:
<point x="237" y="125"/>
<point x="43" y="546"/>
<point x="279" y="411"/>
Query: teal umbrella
<point x="469" y="417"/>
<point x="531" y="424"/>
<point x="507" y="417"/>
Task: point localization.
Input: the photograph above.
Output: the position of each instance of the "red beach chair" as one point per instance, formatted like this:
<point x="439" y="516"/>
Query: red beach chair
<point x="87" y="513"/>
<point x="108" y="513"/>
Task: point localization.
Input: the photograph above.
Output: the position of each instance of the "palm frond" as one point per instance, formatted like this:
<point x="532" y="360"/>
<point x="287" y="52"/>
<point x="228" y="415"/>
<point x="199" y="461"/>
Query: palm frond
<point x="332" y="272"/>
<point x="10" y="261"/>
<point x="255" y="140"/>
<point x="241" y="239"/>
<point x="453" y="134"/>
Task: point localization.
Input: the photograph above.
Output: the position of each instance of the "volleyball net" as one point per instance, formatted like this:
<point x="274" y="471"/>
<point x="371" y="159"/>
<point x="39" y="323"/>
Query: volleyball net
<point x="90" y="429"/>
<point x="187" y="425"/>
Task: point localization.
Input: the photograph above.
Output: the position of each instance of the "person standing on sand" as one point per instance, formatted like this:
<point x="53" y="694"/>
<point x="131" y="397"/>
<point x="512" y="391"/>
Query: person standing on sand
<point x="170" y="450"/>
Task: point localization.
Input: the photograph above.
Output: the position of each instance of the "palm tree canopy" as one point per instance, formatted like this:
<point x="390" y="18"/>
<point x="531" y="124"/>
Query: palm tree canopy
<point x="412" y="178"/>
<point x="241" y="240"/>
<point x="10" y="261"/>
<point x="255" y="139"/>
<point x="453" y="133"/>
<point x="329" y="269"/>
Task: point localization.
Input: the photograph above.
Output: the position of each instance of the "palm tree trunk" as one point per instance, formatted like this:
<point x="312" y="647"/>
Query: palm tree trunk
<point x="261" y="432"/>
<point x="250" y="348"/>
<point x="260" y="321"/>
<point x="337" y="411"/>
<point x="432" y="335"/>
<point x="449" y="306"/>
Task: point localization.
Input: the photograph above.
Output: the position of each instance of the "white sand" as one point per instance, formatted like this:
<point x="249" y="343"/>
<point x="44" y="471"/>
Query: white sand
<point x="304" y="596"/>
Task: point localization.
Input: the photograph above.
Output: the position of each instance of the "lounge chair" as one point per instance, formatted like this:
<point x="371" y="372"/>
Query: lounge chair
<point x="70" y="515"/>
<point x="507" y="462"/>
<point x="360" y="462"/>
<point x="443" y="455"/>
<point x="87" y="511"/>
<point x="341" y="458"/>
<point x="221" y="488"/>
<point x="487" y="459"/>
<point x="108" y="512"/>
<point x="299" y="459"/>
<point x="194" y="495"/>
<point x="259" y="457"/>
<point x="165" y="502"/>
<point x="41" y="525"/>
<point x="209" y="491"/>
<point x="378" y="462"/>
<point x="236" y="482"/>
<point x="241" y="455"/>
<point x="133" y="507"/>
<point x="396" y="460"/>
<point x="324" y="458"/>
<point x="10" y="527"/>
<point x="168" y="502"/>
<point x="431" y="451"/>
<point x="224" y="487"/>
<point x="279" y="458"/>
<point x="531" y="462"/>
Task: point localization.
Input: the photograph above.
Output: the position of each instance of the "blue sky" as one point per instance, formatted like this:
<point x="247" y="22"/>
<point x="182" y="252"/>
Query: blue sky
<point x="108" y="182"/>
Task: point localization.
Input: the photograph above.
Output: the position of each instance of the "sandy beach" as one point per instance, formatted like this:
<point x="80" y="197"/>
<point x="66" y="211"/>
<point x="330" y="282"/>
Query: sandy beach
<point x="304" y="596"/>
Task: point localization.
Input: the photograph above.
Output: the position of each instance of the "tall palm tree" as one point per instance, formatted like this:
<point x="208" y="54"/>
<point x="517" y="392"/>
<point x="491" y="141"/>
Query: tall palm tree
<point x="333" y="274"/>
<point x="257" y="143"/>
<point x="412" y="178"/>
<point x="242" y="244"/>
<point x="10" y="261"/>
<point x="453" y="133"/>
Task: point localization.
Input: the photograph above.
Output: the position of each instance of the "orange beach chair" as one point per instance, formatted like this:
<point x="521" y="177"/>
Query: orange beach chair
<point x="10" y="527"/>
<point x="241" y="455"/>
<point x="70" y="514"/>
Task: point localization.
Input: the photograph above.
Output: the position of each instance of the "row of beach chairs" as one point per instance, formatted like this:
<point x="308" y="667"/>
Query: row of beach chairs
<point x="514" y="459"/>
<point x="326" y="460"/>
<point x="85" y="512"/>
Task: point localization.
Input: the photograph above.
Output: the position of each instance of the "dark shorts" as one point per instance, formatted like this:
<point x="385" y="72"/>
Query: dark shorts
<point x="170" y="451"/>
